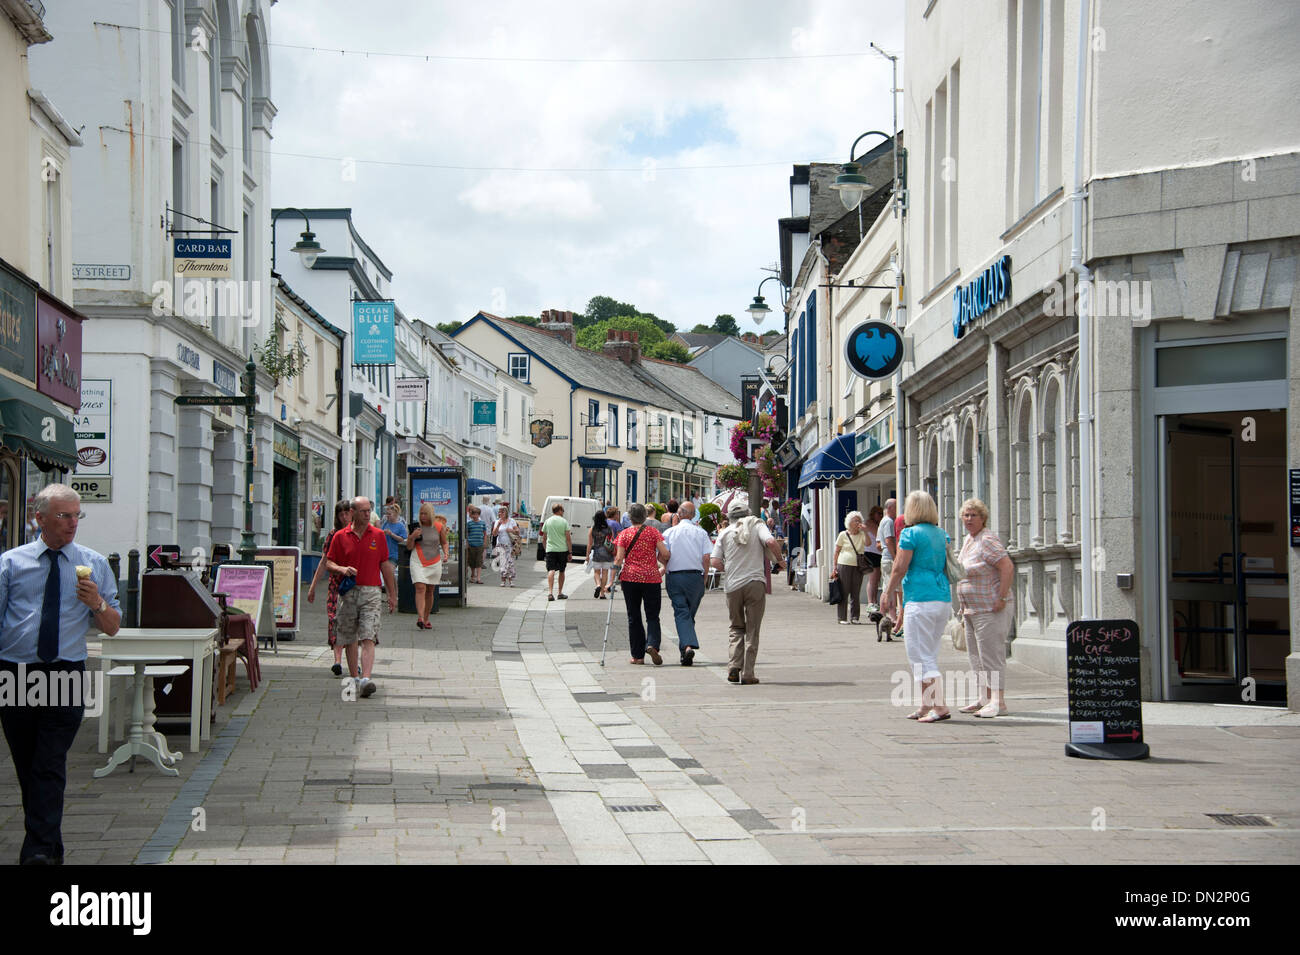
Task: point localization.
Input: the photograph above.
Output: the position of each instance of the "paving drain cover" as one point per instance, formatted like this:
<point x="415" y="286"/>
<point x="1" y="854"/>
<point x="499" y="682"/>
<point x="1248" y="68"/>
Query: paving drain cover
<point x="1239" y="819"/>
<point x="655" y="808"/>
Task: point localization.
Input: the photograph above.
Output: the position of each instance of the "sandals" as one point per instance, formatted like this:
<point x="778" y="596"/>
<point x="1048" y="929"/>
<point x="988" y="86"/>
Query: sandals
<point x="973" y="708"/>
<point x="932" y="718"/>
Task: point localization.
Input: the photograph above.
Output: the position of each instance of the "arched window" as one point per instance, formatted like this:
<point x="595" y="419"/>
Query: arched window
<point x="1072" y="450"/>
<point x="948" y="479"/>
<point x="1052" y="498"/>
<point x="931" y="480"/>
<point x="1022" y="467"/>
<point x="966" y="476"/>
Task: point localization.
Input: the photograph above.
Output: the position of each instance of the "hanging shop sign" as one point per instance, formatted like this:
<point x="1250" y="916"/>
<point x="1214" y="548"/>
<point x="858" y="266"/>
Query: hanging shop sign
<point x="411" y="389"/>
<point x="485" y="412"/>
<point x="201" y="258"/>
<point x="973" y="299"/>
<point x="595" y="439"/>
<point x="542" y="431"/>
<point x="873" y="350"/>
<point x="749" y="388"/>
<point x="285" y="448"/>
<point x="58" y="351"/>
<point x="92" y="428"/>
<point x="374" y="329"/>
<point x="17" y="324"/>
<point x="654" y="437"/>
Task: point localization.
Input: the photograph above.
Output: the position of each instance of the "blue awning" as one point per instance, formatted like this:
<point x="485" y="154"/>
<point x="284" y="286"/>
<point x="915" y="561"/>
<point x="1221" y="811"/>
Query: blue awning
<point x="831" y="462"/>
<point x="477" y="486"/>
<point x="599" y="464"/>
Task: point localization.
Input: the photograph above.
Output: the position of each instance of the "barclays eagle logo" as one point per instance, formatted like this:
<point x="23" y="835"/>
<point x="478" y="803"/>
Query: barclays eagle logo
<point x="876" y="348"/>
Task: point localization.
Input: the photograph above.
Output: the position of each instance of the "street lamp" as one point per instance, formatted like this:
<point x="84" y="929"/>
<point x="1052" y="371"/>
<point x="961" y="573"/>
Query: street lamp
<point x="306" y="246"/>
<point x="851" y="184"/>
<point x="758" y="309"/>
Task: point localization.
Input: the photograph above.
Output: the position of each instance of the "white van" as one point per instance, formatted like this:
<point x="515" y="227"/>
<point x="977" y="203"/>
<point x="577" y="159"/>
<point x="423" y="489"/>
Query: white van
<point x="578" y="511"/>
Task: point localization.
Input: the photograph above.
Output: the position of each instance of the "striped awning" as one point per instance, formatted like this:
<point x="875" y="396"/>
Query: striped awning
<point x="30" y="424"/>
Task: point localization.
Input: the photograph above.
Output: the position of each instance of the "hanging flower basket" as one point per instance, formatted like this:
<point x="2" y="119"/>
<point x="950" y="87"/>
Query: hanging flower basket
<point x="791" y="510"/>
<point x="731" y="476"/>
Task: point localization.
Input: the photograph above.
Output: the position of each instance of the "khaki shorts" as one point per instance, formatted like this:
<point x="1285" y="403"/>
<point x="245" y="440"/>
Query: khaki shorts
<point x="358" y="615"/>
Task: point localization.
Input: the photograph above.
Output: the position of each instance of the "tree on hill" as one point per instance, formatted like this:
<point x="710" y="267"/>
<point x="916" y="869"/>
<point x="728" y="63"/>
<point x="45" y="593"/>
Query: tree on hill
<point x="448" y="328"/>
<point x="593" y="336"/>
<point x="725" y="325"/>
<point x="602" y="307"/>
<point x="701" y="329"/>
<point x="526" y="319"/>
<point x="669" y="351"/>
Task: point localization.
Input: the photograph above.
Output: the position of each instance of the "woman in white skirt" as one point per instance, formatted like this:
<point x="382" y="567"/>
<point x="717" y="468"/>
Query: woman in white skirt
<point x="428" y="547"/>
<point x="919" y="567"/>
<point x="504" y="532"/>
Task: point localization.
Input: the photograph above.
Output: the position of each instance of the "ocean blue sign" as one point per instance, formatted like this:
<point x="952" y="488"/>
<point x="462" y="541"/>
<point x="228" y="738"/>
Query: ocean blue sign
<point x="485" y="412"/>
<point x="873" y="350"/>
<point x="973" y="299"/>
<point x="374" y="327"/>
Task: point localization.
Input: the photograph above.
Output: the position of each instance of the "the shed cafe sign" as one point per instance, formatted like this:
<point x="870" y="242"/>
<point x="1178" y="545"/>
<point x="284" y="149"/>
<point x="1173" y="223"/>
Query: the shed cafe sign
<point x="973" y="299"/>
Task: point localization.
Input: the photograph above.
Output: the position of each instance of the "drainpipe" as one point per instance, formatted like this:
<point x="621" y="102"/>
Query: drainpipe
<point x="1089" y="610"/>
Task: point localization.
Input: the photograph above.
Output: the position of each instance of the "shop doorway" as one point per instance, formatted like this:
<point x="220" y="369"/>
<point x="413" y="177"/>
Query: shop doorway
<point x="284" y="508"/>
<point x="1226" y="599"/>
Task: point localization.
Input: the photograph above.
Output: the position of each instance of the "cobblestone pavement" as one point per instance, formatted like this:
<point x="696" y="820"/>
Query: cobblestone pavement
<point x="497" y="737"/>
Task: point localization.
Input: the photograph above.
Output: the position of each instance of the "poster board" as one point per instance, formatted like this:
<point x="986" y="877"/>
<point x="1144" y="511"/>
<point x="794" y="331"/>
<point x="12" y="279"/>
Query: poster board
<point x="286" y="567"/>
<point x="444" y="488"/>
<point x="248" y="587"/>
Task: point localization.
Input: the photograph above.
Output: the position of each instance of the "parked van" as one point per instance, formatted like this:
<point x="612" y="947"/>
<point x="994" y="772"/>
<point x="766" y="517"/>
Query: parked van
<point x="578" y="511"/>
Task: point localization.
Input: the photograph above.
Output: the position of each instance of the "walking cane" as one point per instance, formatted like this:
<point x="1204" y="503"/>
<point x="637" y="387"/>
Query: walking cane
<point x="609" y="613"/>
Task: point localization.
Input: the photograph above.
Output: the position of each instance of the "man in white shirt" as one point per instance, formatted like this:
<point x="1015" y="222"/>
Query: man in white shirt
<point x="741" y="553"/>
<point x="688" y="568"/>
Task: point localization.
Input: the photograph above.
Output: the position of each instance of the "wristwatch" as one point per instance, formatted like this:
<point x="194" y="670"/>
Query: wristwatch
<point x="103" y="605"/>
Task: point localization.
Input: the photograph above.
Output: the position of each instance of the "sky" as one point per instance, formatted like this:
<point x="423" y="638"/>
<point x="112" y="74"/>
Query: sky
<point x="546" y="153"/>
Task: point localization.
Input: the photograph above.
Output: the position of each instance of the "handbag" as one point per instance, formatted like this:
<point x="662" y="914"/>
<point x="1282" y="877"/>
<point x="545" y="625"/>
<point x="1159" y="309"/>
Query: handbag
<point x="864" y="565"/>
<point x="956" y="632"/>
<point x="837" y="592"/>
<point x="952" y="567"/>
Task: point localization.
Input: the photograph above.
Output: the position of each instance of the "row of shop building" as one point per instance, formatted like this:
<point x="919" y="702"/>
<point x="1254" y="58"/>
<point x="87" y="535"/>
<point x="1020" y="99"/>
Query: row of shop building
<point x="88" y="395"/>
<point x="1097" y="305"/>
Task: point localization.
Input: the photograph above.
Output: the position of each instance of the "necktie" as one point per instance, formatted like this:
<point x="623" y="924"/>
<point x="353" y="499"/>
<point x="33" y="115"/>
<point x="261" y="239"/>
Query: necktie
<point x="47" y="645"/>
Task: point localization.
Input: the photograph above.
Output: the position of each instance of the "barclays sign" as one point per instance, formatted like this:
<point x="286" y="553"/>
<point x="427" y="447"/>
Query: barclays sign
<point x="973" y="299"/>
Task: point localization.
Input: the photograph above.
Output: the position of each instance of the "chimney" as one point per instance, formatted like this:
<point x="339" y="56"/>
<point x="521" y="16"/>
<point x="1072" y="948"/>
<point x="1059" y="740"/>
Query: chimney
<point x="623" y="345"/>
<point x="559" y="324"/>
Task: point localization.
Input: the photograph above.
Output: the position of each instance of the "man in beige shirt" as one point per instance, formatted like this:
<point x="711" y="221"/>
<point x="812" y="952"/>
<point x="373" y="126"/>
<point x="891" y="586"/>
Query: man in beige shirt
<point x="741" y="554"/>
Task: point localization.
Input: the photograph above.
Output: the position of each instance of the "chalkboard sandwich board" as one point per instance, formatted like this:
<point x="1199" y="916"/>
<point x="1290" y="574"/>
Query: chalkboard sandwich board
<point x="1104" y="665"/>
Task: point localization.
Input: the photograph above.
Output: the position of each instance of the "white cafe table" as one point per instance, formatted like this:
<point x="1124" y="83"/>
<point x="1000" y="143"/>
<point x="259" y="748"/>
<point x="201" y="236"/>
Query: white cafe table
<point x="160" y="644"/>
<point x="142" y="739"/>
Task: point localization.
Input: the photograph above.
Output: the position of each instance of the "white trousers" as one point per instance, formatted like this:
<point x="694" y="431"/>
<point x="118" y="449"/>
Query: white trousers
<point x="922" y="635"/>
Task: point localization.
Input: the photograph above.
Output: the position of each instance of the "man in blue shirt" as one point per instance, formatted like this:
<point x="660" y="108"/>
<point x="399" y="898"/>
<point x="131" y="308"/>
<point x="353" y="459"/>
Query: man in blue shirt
<point x="51" y="592"/>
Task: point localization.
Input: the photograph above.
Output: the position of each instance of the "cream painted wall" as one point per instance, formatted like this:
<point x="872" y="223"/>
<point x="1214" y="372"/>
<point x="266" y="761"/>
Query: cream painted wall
<point x="1193" y="82"/>
<point x="16" y="179"/>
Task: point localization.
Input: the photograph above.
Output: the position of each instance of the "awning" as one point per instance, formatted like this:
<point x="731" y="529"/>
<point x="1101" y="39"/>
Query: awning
<point x="31" y="424"/>
<point x="476" y="486"/>
<point x="831" y="462"/>
<point x="599" y="464"/>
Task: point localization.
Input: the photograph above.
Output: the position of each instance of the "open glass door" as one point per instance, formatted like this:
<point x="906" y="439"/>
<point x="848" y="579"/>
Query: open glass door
<point x="1225" y="556"/>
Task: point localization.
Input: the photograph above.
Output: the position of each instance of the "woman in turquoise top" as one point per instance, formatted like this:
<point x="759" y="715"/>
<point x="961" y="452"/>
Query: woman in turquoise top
<point x="919" y="567"/>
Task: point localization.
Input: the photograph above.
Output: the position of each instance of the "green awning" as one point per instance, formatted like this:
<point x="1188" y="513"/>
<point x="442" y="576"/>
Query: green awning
<point x="31" y="424"/>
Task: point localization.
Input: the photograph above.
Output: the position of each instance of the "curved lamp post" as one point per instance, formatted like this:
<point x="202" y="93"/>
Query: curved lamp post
<point x="851" y="184"/>
<point x="759" y="309"/>
<point x="306" y="246"/>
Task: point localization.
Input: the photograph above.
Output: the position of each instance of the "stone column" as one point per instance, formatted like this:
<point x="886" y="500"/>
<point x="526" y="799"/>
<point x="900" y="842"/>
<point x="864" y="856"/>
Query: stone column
<point x="163" y="388"/>
<point x="194" y="480"/>
<point x="227" y="478"/>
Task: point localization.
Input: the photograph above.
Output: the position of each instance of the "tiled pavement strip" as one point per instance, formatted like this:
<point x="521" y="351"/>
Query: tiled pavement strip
<point x="448" y="762"/>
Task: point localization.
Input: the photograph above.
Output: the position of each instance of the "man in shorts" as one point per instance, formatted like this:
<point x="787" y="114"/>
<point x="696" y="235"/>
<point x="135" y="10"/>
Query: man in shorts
<point x="360" y="553"/>
<point x="558" y="541"/>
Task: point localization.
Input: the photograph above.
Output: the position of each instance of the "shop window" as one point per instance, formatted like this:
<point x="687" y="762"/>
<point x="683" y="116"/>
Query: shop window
<point x="947" y="501"/>
<point x="1050" y="472"/>
<point x="1022" y="471"/>
<point x="12" y="513"/>
<point x="966" y="469"/>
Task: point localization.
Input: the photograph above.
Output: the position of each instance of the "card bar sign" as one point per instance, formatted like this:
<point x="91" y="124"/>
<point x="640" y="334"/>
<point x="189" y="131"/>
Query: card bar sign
<point x="373" y="333"/>
<point x="201" y="258"/>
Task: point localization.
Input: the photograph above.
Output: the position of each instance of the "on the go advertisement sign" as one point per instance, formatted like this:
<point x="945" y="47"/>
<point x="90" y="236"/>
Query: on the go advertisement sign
<point x="374" y="328"/>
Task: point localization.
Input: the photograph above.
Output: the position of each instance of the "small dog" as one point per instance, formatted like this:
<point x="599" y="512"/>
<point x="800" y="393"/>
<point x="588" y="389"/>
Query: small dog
<point x="884" y="627"/>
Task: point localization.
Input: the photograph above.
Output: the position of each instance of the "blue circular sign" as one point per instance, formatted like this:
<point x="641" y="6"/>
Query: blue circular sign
<point x="874" y="350"/>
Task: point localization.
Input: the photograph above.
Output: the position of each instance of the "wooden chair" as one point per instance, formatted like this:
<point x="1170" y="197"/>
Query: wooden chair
<point x="227" y="669"/>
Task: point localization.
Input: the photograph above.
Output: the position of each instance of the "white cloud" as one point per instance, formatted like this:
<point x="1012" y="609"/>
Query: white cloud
<point x="686" y="244"/>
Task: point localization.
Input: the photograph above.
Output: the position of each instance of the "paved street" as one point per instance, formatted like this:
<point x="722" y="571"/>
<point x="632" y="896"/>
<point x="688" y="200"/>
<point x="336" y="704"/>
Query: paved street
<point x="498" y="738"/>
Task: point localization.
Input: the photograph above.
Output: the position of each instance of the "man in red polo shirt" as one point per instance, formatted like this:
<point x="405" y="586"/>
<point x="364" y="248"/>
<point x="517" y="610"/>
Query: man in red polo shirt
<point x="360" y="554"/>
